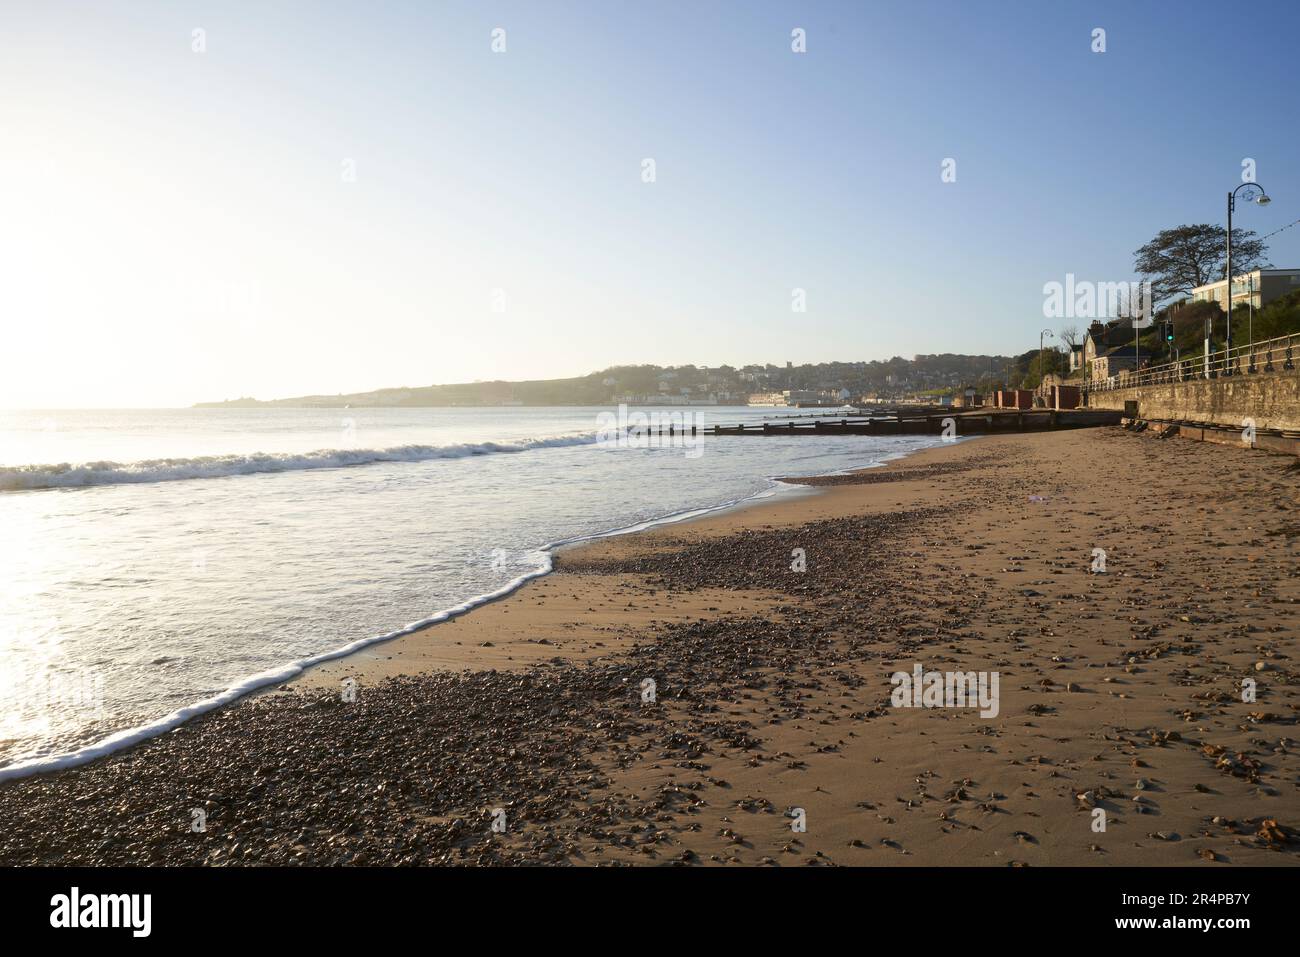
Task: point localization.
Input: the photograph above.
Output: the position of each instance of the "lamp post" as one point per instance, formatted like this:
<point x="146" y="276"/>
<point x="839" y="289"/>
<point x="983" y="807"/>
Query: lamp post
<point x="1263" y="200"/>
<point x="1250" y="323"/>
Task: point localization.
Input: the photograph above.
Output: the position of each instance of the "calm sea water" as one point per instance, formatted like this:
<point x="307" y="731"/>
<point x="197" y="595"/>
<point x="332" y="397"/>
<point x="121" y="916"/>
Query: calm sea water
<point x="155" y="563"/>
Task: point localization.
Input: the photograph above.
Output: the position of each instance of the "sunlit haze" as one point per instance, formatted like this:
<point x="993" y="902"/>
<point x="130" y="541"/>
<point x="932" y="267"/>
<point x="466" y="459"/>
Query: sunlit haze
<point x="333" y="197"/>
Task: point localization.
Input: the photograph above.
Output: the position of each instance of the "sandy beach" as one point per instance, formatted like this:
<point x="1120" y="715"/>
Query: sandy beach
<point x="528" y="731"/>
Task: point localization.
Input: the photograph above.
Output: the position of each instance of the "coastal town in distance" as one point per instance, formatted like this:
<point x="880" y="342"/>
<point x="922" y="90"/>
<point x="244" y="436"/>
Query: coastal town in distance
<point x="462" y="461"/>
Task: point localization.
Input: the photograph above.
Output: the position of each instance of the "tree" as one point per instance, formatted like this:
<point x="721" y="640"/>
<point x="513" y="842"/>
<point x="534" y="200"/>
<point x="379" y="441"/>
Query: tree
<point x="1281" y="317"/>
<point x="1190" y="319"/>
<point x="1070" y="339"/>
<point x="1184" y="257"/>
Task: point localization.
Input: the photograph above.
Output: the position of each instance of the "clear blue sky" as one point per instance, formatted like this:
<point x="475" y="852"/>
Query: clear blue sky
<point x="181" y="229"/>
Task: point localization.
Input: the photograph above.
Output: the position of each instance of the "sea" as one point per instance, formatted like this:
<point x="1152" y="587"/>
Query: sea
<point x="155" y="564"/>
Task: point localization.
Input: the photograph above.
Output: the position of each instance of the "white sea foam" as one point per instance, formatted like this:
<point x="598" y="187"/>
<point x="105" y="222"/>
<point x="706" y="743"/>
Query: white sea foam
<point x="27" y="477"/>
<point x="132" y="736"/>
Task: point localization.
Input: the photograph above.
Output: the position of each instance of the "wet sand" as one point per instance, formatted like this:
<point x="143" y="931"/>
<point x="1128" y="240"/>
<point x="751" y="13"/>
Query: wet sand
<point x="1119" y="691"/>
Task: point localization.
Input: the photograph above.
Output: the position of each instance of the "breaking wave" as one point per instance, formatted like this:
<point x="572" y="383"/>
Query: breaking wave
<point x="28" y="477"/>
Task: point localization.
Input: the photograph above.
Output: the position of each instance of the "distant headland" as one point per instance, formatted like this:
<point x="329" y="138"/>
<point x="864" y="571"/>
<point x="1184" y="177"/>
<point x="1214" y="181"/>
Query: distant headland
<point x="896" y="378"/>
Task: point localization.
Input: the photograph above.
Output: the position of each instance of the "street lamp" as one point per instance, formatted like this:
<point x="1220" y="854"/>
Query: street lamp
<point x="1250" y="323"/>
<point x="1263" y="200"/>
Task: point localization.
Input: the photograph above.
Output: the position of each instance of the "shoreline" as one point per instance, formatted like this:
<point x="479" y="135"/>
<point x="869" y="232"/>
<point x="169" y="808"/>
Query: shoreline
<point x="271" y="680"/>
<point x="363" y="661"/>
<point x="773" y="692"/>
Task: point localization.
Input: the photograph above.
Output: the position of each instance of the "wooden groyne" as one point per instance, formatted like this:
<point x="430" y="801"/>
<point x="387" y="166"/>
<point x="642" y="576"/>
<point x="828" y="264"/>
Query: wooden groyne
<point x="933" y="422"/>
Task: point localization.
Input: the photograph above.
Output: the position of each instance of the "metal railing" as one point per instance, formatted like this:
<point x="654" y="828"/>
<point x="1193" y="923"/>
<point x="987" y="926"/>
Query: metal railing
<point x="1274" y="355"/>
